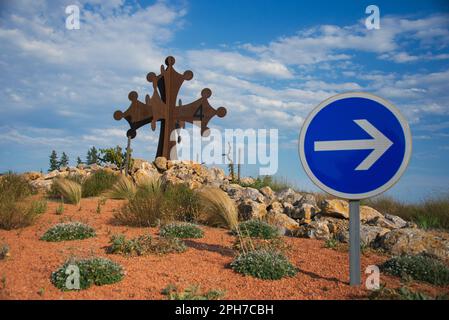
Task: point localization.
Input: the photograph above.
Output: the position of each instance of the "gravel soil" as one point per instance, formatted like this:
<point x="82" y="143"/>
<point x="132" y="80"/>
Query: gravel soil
<point x="323" y="273"/>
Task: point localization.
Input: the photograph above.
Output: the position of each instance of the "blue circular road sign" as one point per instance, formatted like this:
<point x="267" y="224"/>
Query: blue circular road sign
<point x="355" y="145"/>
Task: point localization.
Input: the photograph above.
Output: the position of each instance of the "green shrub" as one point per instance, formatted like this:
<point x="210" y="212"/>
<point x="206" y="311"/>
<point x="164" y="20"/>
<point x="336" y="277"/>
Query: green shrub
<point x="15" y="187"/>
<point x="68" y="190"/>
<point x="331" y="243"/>
<point x="257" y="229"/>
<point x="95" y="271"/>
<point x="264" y="264"/>
<point x="419" y="267"/>
<point x="402" y="293"/>
<point x="144" y="245"/>
<point x="183" y="230"/>
<point x="191" y="293"/>
<point x="98" y="182"/>
<point x="154" y="205"/>
<point x="68" y="231"/>
<point x="4" y="251"/>
<point x="428" y="214"/>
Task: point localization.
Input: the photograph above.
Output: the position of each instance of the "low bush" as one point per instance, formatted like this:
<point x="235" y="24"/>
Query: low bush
<point x="257" y="229"/>
<point x="94" y="271"/>
<point x="419" y="267"/>
<point x="264" y="264"/>
<point x="183" y="230"/>
<point x="402" y="293"/>
<point x="4" y="251"/>
<point x="68" y="190"/>
<point x="144" y="245"/>
<point x="217" y="208"/>
<point x="68" y="231"/>
<point x="191" y="293"/>
<point x="124" y="188"/>
<point x="98" y="182"/>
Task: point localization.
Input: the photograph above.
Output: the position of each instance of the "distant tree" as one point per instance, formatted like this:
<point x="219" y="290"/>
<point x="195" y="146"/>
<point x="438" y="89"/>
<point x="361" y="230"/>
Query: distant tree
<point x="79" y="161"/>
<point x="54" y="164"/>
<point x="92" y="156"/>
<point x="64" y="162"/>
<point x="113" y="155"/>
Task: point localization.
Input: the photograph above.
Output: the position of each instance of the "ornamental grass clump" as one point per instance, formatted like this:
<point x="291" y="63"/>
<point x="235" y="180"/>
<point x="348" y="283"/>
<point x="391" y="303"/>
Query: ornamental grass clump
<point x="124" y="188"/>
<point x="183" y="230"/>
<point x="68" y="231"/>
<point x="217" y="208"/>
<point x="94" y="271"/>
<point x="264" y="264"/>
<point x="69" y="190"/>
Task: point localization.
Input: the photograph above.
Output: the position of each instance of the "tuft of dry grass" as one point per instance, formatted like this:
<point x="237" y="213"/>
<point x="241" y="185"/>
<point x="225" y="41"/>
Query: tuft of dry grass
<point x="69" y="190"/>
<point x="16" y="208"/>
<point x="428" y="214"/>
<point x="217" y="208"/>
<point x="124" y="188"/>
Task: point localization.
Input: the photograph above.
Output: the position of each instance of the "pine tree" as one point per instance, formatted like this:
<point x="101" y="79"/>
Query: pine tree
<point x="79" y="161"/>
<point x="64" y="162"/>
<point x="53" y="161"/>
<point x="92" y="156"/>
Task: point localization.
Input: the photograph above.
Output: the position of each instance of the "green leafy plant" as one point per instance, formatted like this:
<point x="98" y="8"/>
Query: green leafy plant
<point x="217" y="208"/>
<point x="144" y="245"/>
<point x="331" y="243"/>
<point x="68" y="231"/>
<point x="4" y="251"/>
<point x="69" y="190"/>
<point x="94" y="271"/>
<point x="191" y="293"/>
<point x="98" y="182"/>
<point x="401" y="293"/>
<point x="264" y="264"/>
<point x="257" y="229"/>
<point x="418" y="267"/>
<point x="183" y="230"/>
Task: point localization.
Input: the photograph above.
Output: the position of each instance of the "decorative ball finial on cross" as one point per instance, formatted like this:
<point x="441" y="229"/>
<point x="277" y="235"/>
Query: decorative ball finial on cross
<point x="161" y="106"/>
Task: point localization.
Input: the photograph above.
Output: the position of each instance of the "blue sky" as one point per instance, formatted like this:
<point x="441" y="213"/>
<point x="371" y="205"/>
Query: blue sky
<point x="268" y="62"/>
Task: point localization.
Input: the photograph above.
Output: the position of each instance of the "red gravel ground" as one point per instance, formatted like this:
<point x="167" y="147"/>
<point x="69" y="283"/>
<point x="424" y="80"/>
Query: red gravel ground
<point x="26" y="273"/>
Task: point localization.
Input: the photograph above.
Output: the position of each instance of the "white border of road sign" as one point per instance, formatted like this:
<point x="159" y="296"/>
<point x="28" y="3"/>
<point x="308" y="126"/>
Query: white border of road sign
<point x="386" y="186"/>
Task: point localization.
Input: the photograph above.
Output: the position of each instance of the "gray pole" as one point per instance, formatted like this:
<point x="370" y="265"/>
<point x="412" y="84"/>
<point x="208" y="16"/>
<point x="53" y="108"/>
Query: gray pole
<point x="354" y="242"/>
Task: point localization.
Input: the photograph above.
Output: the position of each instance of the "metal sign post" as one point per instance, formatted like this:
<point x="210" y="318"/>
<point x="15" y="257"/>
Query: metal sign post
<point x="355" y="146"/>
<point x="354" y="242"/>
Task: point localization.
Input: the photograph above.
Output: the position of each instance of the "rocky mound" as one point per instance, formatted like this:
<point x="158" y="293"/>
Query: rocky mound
<point x="294" y="213"/>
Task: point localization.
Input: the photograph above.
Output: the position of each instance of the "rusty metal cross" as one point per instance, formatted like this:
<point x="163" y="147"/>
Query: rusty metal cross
<point x="161" y="106"/>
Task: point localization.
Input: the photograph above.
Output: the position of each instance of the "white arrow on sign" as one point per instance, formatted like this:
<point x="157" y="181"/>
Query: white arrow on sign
<point x="380" y="144"/>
